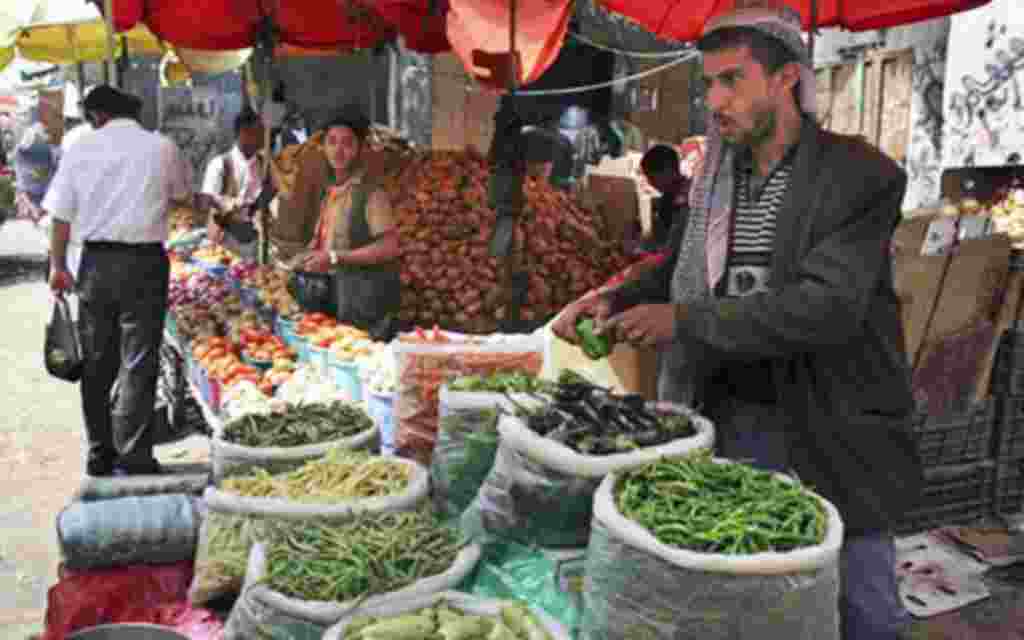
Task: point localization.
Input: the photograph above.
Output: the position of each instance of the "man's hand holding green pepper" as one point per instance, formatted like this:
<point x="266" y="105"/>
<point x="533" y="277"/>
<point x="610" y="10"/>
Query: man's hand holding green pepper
<point x="593" y="305"/>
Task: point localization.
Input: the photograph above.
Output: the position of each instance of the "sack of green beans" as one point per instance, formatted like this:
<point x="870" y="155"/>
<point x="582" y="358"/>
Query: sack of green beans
<point x="448" y="615"/>
<point x="282" y="440"/>
<point x="467" y="443"/>
<point x="700" y="548"/>
<point x="541" y="491"/>
<point x="333" y="487"/>
<point x="317" y="573"/>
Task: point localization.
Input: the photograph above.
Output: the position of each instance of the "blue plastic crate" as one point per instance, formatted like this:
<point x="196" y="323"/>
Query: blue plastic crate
<point x="346" y="379"/>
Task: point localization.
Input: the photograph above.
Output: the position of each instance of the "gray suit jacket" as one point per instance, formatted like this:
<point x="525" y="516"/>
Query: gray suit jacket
<point x="831" y="325"/>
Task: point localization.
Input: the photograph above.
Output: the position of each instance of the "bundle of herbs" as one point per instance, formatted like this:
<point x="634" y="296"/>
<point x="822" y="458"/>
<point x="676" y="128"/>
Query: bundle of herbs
<point x="698" y="504"/>
<point x="298" y="425"/>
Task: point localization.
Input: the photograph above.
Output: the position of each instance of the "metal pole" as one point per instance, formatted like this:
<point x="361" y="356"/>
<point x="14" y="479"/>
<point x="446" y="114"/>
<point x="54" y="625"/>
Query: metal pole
<point x="108" y="16"/>
<point x="814" y="27"/>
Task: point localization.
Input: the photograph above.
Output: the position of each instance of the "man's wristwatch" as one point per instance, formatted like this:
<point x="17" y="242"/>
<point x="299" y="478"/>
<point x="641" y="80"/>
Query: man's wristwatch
<point x="334" y="258"/>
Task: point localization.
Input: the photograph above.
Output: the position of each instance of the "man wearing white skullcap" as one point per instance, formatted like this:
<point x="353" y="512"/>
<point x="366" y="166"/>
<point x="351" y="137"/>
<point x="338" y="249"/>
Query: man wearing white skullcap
<point x="777" y="312"/>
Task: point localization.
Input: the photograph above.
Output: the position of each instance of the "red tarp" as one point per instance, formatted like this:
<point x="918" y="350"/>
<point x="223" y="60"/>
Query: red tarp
<point x="324" y="25"/>
<point x="684" y="20"/>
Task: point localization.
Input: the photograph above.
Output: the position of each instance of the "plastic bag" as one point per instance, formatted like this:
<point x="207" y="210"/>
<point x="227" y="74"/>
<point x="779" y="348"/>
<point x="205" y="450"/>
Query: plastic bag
<point x="467" y="444"/>
<point x="264" y="613"/>
<point x="548" y="579"/>
<point x="637" y="587"/>
<point x="472" y="605"/>
<point x="110" y="533"/>
<point x="62" y="350"/>
<point x="423" y="367"/>
<point x="541" y="492"/>
<point x="221" y="557"/>
<point x="143" y="593"/>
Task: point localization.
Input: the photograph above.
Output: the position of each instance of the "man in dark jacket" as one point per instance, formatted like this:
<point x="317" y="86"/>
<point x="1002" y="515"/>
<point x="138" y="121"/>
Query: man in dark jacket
<point x="777" y="309"/>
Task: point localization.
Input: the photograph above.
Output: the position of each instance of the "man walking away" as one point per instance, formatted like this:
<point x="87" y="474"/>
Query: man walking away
<point x="115" y="186"/>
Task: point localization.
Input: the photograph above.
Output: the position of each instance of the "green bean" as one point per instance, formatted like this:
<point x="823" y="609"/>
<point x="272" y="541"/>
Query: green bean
<point x="373" y="554"/>
<point x="299" y="425"/>
<point x="697" y="504"/>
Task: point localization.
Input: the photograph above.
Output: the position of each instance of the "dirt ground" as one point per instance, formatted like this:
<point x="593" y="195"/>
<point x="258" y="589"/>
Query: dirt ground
<point x="41" y="453"/>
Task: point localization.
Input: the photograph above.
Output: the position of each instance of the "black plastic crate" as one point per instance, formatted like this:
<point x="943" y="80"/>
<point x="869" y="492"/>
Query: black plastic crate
<point x="1008" y="498"/>
<point x="1008" y="374"/>
<point x="956" y="438"/>
<point x="953" y="494"/>
<point x="1009" y="432"/>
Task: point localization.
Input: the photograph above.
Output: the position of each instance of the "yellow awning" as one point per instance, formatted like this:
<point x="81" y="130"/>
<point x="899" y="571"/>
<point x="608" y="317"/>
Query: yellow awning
<point x="85" y="41"/>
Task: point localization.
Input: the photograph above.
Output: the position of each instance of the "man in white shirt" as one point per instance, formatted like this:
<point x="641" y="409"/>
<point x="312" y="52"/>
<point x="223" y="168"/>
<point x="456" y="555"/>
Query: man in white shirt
<point x="233" y="179"/>
<point x="115" y="186"/>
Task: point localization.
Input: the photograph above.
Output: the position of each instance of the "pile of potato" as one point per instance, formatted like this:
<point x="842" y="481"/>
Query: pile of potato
<point x="448" y="276"/>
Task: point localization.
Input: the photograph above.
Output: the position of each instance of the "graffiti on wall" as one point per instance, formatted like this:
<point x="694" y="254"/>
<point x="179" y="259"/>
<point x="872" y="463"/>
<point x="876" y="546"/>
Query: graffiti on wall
<point x="985" y="112"/>
<point x="415" y="117"/>
<point x="924" y="154"/>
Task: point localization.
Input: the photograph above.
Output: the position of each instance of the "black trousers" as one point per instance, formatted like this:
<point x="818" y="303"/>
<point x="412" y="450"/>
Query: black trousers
<point x="122" y="293"/>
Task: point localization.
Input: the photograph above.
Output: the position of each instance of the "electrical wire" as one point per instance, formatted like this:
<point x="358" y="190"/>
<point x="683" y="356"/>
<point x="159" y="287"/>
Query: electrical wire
<point x="610" y="83"/>
<point x="651" y="55"/>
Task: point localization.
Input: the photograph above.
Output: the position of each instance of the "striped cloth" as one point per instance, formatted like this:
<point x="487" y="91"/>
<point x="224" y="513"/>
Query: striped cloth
<point x="753" y="235"/>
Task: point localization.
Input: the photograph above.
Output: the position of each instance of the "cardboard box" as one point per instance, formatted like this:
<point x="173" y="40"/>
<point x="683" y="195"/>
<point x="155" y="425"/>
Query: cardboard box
<point x="614" y="198"/>
<point x="636" y="370"/>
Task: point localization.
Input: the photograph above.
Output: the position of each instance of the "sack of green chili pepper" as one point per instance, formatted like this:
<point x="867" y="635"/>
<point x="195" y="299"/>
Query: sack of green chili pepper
<point x="541" y="492"/>
<point x="688" y="573"/>
<point x="317" y="573"/>
<point x="448" y="615"/>
<point x="284" y="440"/>
<point x="467" y="443"/>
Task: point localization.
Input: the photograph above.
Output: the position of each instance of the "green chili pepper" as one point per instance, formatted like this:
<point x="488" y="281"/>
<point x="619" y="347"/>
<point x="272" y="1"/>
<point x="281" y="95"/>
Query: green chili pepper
<point x="596" y="347"/>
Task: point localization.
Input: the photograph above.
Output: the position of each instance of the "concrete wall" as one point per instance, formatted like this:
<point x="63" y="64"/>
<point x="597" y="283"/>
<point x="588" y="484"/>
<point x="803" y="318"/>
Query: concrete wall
<point x="928" y="41"/>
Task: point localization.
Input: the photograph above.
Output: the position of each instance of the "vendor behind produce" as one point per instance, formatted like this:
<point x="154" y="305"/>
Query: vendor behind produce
<point x="660" y="166"/>
<point x="776" y="310"/>
<point x="233" y="181"/>
<point x="356" y="238"/>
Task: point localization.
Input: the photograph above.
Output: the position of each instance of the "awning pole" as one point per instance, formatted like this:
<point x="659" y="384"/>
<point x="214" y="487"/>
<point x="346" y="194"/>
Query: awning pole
<point x="108" y="17"/>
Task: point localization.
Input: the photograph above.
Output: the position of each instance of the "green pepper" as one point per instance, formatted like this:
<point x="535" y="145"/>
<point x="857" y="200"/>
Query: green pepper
<point x="596" y="347"/>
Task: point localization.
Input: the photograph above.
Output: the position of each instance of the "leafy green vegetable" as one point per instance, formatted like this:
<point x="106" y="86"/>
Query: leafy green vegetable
<point x="505" y="382"/>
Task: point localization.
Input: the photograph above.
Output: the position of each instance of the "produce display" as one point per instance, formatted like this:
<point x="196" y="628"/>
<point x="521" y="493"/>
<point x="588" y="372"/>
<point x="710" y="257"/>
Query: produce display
<point x="340" y="475"/>
<point x="298" y="425"/>
<point x="378" y="371"/>
<point x="594" y="421"/>
<point x="261" y="345"/>
<point x="222" y="557"/>
<point x="501" y="382"/>
<point x="442" y="622"/>
<point x="448" y="274"/>
<point x="213" y="254"/>
<point x="697" y="504"/>
<point x="219" y="358"/>
<point x="1008" y="216"/>
<point x="373" y="554"/>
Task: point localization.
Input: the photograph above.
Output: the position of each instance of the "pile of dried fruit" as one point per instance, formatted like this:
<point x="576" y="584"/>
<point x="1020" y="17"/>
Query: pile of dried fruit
<point x="448" y="276"/>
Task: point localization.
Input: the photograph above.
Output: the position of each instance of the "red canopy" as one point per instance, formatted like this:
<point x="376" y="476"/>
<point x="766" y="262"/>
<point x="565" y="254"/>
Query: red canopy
<point x="325" y="25"/>
<point x="684" y="19"/>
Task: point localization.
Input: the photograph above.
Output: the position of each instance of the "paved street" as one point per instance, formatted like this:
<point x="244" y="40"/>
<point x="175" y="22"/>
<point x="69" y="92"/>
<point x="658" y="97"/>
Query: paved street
<point x="40" y="439"/>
